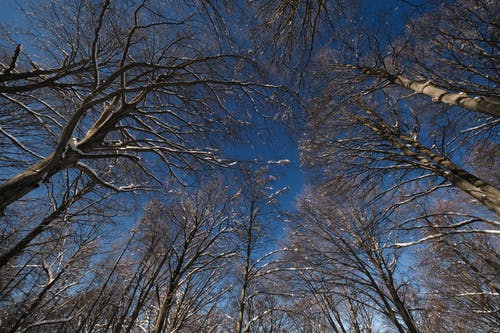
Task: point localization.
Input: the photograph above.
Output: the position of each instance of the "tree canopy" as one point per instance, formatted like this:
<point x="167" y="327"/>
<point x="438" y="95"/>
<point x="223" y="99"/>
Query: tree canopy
<point x="147" y="180"/>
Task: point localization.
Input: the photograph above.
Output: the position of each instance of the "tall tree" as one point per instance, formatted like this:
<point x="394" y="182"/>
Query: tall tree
<point x="457" y="270"/>
<point x="353" y="276"/>
<point x="168" y="275"/>
<point x="118" y="84"/>
<point x="118" y="101"/>
<point x="379" y="121"/>
<point x="422" y="90"/>
<point x="257" y="262"/>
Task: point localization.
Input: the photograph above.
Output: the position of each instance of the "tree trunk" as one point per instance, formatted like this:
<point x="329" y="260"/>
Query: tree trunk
<point x="23" y="243"/>
<point x="485" y="193"/>
<point x="163" y="313"/>
<point x="18" y="186"/>
<point x="478" y="104"/>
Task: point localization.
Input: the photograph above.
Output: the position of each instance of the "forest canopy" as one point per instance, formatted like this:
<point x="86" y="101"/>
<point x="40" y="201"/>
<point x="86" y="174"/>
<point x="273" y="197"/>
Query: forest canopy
<point x="249" y="166"/>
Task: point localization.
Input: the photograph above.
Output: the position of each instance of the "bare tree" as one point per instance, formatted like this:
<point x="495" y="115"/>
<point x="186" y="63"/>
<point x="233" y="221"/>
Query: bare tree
<point x="169" y="275"/>
<point x="373" y="117"/>
<point x="101" y="101"/>
<point x="257" y="262"/>
<point x="108" y="106"/>
<point x="355" y="279"/>
<point x="198" y="231"/>
<point x="115" y="100"/>
<point x="36" y="285"/>
<point x="407" y="85"/>
<point x="121" y="83"/>
<point x="453" y="48"/>
<point x="458" y="272"/>
<point x="294" y="27"/>
<point x="374" y="141"/>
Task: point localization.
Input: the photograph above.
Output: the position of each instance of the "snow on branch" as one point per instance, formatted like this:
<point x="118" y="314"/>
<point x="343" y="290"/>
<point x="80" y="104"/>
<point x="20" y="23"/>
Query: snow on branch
<point x="279" y="162"/>
<point x="440" y="235"/>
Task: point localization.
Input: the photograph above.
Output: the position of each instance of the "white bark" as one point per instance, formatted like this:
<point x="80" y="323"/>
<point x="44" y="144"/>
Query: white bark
<point x="478" y="104"/>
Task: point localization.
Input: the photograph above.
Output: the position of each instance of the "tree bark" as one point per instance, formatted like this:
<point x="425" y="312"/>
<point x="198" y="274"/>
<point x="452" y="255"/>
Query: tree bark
<point x="23" y="183"/>
<point x="63" y="157"/>
<point x="478" y="104"/>
<point x="424" y="158"/>
<point x="485" y="193"/>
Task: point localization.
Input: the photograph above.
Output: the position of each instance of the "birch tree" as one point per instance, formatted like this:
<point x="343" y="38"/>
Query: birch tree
<point x="382" y="111"/>
<point x="434" y="70"/>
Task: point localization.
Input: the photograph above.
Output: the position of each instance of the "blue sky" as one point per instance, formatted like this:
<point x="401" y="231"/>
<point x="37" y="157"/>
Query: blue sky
<point x="9" y="13"/>
<point x="272" y="143"/>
